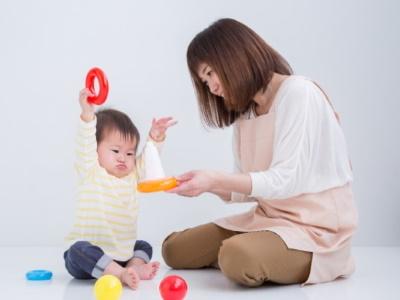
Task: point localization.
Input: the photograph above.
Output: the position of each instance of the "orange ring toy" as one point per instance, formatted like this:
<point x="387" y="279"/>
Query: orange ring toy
<point x="157" y="185"/>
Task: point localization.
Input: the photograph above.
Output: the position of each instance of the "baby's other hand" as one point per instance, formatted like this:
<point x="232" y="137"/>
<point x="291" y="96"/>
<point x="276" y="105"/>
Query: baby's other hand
<point x="159" y="128"/>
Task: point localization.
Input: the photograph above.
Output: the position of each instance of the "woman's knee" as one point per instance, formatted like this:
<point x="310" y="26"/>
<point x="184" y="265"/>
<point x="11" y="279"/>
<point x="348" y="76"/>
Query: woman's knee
<point x="236" y="262"/>
<point x="169" y="250"/>
<point x="254" y="258"/>
<point x="195" y="247"/>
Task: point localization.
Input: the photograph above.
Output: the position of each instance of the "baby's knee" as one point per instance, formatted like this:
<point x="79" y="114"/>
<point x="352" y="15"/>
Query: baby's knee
<point x="76" y="248"/>
<point x="80" y="245"/>
<point x="143" y="250"/>
<point x="83" y="250"/>
<point x="143" y="245"/>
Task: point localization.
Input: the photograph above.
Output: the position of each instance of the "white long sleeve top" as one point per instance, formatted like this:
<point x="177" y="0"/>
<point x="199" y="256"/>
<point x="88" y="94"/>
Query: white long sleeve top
<point x="309" y="148"/>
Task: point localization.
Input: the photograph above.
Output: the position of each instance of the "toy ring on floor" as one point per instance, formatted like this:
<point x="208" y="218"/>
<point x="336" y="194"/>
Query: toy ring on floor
<point x="101" y="96"/>
<point x="157" y="185"/>
<point x="39" y="275"/>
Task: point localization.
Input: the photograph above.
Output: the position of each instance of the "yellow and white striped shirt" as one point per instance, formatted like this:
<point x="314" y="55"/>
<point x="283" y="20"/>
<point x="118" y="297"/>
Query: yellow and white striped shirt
<point x="107" y="208"/>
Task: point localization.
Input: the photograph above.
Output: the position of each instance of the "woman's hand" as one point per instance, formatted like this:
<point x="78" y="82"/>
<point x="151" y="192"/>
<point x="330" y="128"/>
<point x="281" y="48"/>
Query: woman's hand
<point x="159" y="128"/>
<point x="194" y="183"/>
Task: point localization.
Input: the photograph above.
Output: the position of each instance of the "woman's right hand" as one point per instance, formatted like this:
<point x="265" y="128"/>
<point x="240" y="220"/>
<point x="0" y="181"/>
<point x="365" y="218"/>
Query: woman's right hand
<point x="87" y="109"/>
<point x="194" y="183"/>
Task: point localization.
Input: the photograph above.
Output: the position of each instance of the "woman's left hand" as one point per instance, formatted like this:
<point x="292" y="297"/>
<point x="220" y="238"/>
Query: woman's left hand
<point x="159" y="128"/>
<point x="194" y="183"/>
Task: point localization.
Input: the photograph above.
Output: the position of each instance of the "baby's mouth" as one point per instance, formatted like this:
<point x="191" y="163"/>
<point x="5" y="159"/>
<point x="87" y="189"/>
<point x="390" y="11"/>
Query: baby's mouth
<point x="121" y="167"/>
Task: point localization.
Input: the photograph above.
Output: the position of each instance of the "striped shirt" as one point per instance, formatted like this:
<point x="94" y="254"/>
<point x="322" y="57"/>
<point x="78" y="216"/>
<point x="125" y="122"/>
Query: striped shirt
<point x="107" y="206"/>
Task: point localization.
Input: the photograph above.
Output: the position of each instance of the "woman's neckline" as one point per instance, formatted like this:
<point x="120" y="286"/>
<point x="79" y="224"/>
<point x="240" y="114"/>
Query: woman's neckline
<point x="275" y="96"/>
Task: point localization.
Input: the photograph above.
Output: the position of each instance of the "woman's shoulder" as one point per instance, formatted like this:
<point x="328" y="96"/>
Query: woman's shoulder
<point x="295" y="88"/>
<point x="296" y="83"/>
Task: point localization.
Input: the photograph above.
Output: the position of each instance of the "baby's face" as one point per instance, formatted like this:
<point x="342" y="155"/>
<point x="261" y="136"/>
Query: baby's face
<point x="116" y="154"/>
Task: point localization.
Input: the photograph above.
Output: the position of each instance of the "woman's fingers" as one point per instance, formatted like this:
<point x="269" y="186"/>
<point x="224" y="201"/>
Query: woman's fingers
<point x="183" y="191"/>
<point x="185" y="185"/>
<point x="182" y="188"/>
<point x="185" y="176"/>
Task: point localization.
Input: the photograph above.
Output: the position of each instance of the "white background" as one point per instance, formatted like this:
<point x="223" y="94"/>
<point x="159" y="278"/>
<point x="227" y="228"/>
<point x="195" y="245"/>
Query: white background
<point x="46" y="47"/>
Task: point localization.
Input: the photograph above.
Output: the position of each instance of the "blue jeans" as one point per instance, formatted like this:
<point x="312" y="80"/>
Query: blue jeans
<point x="86" y="261"/>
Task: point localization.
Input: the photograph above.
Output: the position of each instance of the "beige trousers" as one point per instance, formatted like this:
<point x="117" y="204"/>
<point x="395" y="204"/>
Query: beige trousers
<point x="250" y="258"/>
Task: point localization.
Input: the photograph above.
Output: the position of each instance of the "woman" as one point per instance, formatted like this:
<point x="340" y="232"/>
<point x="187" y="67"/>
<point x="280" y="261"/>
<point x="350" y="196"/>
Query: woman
<point x="291" y="161"/>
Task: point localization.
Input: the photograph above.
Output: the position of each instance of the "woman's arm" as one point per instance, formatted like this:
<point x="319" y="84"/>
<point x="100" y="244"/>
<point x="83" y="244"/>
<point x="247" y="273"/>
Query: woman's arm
<point x="223" y="195"/>
<point x="222" y="184"/>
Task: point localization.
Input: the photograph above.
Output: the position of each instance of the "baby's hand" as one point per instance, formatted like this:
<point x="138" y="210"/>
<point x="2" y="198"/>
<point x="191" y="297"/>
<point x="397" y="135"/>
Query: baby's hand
<point x="87" y="113"/>
<point x="159" y="127"/>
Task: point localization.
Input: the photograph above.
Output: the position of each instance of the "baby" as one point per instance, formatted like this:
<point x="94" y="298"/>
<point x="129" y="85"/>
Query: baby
<point x="103" y="239"/>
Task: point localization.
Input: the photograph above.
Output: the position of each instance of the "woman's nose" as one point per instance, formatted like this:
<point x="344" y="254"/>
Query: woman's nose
<point x="214" y="87"/>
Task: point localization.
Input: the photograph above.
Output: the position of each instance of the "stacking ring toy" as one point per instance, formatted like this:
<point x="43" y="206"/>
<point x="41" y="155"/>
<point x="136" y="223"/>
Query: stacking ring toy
<point x="157" y="185"/>
<point x="39" y="275"/>
<point x="101" y="96"/>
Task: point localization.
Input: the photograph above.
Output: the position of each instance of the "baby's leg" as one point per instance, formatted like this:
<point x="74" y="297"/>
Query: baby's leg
<point x="76" y="264"/>
<point x="86" y="261"/>
<point x="141" y="261"/>
<point x="81" y="260"/>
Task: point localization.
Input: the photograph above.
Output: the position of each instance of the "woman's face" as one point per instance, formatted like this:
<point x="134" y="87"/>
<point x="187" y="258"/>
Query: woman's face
<point x="210" y="78"/>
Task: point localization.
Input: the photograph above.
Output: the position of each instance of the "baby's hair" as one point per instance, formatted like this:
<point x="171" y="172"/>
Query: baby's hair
<point x="109" y="120"/>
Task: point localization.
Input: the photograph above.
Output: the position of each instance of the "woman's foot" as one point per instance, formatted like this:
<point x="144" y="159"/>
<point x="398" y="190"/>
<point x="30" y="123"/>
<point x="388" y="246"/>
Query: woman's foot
<point x="146" y="271"/>
<point x="130" y="277"/>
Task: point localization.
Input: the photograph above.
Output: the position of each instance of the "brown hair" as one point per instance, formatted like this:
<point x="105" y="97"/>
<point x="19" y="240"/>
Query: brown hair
<point x="109" y="120"/>
<point x="243" y="62"/>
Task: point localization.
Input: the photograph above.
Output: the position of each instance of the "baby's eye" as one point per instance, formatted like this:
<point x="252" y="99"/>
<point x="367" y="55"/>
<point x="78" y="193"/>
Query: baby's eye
<point x="130" y="154"/>
<point x="115" y="151"/>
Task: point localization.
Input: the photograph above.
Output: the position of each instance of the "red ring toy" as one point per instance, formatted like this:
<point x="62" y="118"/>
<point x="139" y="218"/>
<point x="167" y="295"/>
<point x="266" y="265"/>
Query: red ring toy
<point x="103" y="85"/>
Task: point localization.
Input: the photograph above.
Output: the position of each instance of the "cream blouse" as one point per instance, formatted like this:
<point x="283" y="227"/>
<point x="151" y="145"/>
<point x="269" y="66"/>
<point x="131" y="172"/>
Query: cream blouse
<point x="309" y="149"/>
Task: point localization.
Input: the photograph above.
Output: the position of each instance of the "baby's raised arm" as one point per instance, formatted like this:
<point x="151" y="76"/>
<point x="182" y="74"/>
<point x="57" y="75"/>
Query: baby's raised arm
<point x="87" y="109"/>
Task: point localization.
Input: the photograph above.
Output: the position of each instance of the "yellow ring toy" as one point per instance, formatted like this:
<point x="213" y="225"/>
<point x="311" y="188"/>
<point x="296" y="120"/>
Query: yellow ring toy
<point x="157" y="185"/>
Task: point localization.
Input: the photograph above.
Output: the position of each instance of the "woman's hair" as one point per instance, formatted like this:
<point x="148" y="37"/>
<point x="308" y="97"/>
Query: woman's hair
<point x="243" y="62"/>
<point x="109" y="120"/>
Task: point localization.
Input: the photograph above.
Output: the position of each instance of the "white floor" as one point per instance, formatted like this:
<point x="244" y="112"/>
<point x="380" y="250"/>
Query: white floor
<point x="377" y="277"/>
